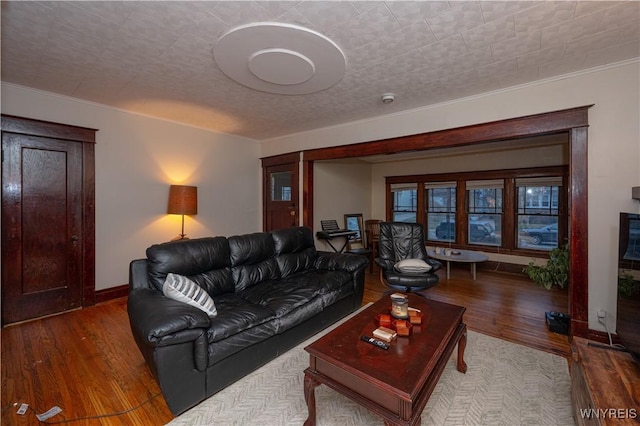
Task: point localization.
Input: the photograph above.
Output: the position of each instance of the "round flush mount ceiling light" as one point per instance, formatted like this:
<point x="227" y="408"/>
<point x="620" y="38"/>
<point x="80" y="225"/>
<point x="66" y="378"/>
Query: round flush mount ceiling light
<point x="280" y="58"/>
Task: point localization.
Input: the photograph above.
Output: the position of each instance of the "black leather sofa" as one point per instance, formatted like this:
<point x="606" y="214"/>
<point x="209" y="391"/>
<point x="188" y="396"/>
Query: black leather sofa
<point x="271" y="291"/>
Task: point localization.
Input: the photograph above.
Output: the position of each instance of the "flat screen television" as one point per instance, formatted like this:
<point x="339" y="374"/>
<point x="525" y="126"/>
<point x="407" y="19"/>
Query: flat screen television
<point x="628" y="317"/>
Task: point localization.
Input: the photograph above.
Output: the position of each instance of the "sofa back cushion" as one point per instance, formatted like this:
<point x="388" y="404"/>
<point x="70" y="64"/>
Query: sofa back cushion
<point x="294" y="248"/>
<point x="203" y="260"/>
<point x="252" y="260"/>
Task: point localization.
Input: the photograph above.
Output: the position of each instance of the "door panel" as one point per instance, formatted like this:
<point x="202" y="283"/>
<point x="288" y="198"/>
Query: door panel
<point x="42" y="226"/>
<point x="280" y="196"/>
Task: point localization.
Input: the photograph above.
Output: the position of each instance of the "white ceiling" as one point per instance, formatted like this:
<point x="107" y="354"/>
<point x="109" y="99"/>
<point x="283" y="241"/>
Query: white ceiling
<point x="156" y="58"/>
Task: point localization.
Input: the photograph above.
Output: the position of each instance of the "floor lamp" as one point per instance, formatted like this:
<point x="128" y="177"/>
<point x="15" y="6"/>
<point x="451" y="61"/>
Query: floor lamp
<point x="183" y="200"/>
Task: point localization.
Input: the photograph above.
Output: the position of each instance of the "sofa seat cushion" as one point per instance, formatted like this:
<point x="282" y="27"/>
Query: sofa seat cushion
<point x="224" y="348"/>
<point x="236" y="315"/>
<point x="279" y="296"/>
<point x="326" y="281"/>
<point x="299" y="314"/>
<point x="286" y="294"/>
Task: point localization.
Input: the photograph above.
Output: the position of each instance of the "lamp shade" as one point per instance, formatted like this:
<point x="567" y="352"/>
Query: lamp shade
<point x="183" y="199"/>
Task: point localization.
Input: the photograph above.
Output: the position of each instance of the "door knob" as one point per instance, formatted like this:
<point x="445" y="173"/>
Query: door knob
<point x="74" y="238"/>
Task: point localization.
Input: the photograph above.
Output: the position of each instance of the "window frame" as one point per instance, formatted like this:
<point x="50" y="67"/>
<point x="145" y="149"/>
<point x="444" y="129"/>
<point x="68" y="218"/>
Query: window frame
<point x="415" y="202"/>
<point x="540" y="211"/>
<point x="452" y="208"/>
<point x="499" y="209"/>
<point x="509" y="243"/>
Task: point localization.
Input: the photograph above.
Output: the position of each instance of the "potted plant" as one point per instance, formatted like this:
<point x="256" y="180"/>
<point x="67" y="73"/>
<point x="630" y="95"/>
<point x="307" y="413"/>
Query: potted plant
<point x="627" y="285"/>
<point x="555" y="272"/>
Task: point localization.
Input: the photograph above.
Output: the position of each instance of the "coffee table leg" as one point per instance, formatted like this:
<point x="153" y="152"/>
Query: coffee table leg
<point x="310" y="384"/>
<point x="462" y="344"/>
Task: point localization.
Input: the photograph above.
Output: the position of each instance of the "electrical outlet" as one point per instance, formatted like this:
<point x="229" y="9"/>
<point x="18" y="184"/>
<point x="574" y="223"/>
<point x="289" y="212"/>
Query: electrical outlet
<point x="602" y="314"/>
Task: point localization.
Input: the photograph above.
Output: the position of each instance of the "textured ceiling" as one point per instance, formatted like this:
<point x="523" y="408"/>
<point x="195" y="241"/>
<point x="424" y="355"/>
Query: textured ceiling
<point x="155" y="58"/>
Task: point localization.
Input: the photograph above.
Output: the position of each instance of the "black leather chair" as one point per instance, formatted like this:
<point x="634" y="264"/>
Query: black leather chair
<point x="400" y="241"/>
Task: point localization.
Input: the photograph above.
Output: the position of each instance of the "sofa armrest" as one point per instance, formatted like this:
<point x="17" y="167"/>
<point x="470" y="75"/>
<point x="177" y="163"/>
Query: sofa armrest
<point x="157" y="320"/>
<point x="138" y="276"/>
<point x="340" y="261"/>
<point x="354" y="264"/>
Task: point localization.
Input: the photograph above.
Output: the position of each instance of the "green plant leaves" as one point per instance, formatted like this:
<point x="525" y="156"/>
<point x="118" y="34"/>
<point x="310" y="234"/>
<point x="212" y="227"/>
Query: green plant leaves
<point x="555" y="272"/>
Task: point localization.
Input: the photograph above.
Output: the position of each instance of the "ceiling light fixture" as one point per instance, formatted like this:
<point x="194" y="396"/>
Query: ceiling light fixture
<point x="387" y="98"/>
<point x="280" y="58"/>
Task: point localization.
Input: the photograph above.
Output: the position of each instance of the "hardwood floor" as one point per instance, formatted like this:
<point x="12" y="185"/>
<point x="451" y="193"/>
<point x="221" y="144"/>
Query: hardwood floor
<point x="508" y="306"/>
<point x="87" y="363"/>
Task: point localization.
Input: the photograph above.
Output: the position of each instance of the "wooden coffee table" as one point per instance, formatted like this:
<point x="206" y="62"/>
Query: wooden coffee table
<point x="395" y="383"/>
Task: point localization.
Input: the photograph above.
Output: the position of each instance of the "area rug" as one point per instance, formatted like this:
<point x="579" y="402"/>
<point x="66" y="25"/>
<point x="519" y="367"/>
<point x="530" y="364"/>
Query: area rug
<point x="505" y="384"/>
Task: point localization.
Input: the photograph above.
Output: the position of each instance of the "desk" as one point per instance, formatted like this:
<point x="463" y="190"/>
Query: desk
<point x="471" y="257"/>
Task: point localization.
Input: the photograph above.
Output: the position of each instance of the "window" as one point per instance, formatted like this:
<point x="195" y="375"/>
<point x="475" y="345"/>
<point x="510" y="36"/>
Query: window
<point x="498" y="211"/>
<point x="485" y="212"/>
<point x="441" y="211"/>
<point x="538" y="212"/>
<point x="405" y="202"/>
<point x="281" y="186"/>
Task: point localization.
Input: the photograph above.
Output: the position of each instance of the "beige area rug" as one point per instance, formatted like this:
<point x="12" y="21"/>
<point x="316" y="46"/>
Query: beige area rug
<point x="505" y="384"/>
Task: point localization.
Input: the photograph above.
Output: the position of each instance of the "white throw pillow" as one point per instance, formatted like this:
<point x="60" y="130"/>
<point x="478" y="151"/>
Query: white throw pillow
<point x="182" y="289"/>
<point x="412" y="266"/>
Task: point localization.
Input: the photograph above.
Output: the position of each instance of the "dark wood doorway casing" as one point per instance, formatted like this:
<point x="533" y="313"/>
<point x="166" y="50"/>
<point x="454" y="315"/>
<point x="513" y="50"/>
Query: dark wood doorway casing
<point x="48" y="218"/>
<point x="280" y="213"/>
<point x="573" y="121"/>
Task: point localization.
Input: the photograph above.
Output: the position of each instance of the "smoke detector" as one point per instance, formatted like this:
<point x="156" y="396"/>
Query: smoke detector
<point x="387" y="98"/>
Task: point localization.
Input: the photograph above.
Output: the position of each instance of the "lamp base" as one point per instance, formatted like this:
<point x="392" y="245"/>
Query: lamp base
<point x="180" y="237"/>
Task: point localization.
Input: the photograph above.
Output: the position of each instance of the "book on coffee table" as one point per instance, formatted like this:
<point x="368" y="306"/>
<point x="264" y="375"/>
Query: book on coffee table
<point x="384" y="333"/>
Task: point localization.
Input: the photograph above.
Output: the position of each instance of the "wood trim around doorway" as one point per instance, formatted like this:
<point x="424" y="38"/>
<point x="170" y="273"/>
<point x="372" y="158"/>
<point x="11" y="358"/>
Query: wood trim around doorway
<point x="573" y="121"/>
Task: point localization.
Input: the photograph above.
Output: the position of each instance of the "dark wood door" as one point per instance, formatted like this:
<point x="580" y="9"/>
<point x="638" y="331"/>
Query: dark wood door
<point x="280" y="193"/>
<point x="42" y="226"/>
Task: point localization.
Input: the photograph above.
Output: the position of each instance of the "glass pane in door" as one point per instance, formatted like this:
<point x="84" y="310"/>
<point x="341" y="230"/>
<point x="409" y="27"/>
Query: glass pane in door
<point x="281" y="186"/>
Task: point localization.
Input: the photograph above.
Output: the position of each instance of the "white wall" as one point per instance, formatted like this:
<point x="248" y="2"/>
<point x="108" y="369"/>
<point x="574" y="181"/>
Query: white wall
<point x="137" y="158"/>
<point x="340" y="189"/>
<point x="613" y="149"/>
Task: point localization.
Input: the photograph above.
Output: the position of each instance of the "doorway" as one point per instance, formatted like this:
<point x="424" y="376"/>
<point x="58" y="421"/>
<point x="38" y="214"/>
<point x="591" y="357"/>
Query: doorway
<point x="574" y="121"/>
<point x="47" y="218"/>
<point x="280" y="191"/>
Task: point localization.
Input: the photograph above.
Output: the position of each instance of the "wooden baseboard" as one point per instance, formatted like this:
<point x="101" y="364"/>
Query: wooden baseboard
<point x="111" y="293"/>
<point x="493" y="266"/>
<point x="602" y="337"/>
